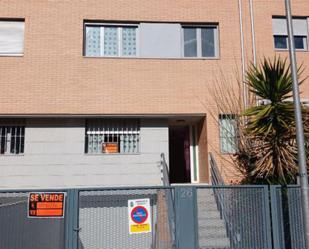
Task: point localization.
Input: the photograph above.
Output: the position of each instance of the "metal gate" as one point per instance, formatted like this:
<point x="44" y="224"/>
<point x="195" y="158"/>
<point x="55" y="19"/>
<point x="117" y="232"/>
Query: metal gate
<point x="17" y="231"/>
<point x="182" y="217"/>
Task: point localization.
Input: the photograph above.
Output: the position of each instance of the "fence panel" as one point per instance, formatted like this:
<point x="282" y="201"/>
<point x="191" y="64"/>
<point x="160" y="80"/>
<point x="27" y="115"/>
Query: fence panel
<point x="288" y="231"/>
<point x="104" y="221"/>
<point x="296" y="218"/>
<point x="17" y="231"/>
<point x="233" y="217"/>
<point x="226" y="217"/>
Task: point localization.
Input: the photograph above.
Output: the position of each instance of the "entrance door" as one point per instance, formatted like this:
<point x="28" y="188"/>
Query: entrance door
<point x="179" y="154"/>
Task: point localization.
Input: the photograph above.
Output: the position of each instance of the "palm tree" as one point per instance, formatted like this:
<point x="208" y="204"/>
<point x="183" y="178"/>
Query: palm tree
<point x="271" y="155"/>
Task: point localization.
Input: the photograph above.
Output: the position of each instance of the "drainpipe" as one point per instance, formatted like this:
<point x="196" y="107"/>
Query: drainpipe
<point x="253" y="40"/>
<point x="245" y="89"/>
<point x="252" y="32"/>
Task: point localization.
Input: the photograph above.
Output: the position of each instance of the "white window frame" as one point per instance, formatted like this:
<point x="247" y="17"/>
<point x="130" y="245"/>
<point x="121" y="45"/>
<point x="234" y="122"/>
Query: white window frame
<point x="15" y="54"/>
<point x="119" y="27"/>
<point x="305" y="37"/>
<point x="199" y="40"/>
<point x="230" y="117"/>
<point x="305" y="40"/>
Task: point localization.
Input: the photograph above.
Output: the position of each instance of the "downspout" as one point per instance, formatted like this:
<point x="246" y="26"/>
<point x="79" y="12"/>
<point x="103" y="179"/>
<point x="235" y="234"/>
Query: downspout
<point x="245" y="89"/>
<point x="253" y="41"/>
<point x="252" y="32"/>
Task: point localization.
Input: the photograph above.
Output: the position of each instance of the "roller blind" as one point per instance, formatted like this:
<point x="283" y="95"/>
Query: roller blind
<point x="12" y="37"/>
<point x="299" y="26"/>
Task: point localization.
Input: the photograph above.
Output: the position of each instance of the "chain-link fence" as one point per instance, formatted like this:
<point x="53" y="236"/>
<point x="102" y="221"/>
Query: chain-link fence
<point x="17" y="231"/>
<point x="190" y="217"/>
<point x="234" y="217"/>
<point x="104" y="219"/>
<point x="288" y="230"/>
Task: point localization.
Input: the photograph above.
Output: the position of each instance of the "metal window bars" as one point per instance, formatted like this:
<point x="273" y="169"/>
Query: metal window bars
<point x="112" y="136"/>
<point x="12" y="139"/>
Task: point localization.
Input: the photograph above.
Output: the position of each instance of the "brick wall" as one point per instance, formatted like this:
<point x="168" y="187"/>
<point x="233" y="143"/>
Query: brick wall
<point x="54" y="78"/>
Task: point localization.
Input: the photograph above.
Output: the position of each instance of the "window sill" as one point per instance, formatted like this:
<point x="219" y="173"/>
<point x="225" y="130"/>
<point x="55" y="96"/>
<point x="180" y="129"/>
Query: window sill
<point x="11" y="155"/>
<point x="153" y="58"/>
<point x="287" y="50"/>
<point x="200" y="58"/>
<point x="112" y="154"/>
<point x="11" y="55"/>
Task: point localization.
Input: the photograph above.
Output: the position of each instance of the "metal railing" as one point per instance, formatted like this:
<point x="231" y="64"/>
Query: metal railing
<point x="216" y="177"/>
<point x="217" y="180"/>
<point x="169" y="198"/>
<point x="236" y="205"/>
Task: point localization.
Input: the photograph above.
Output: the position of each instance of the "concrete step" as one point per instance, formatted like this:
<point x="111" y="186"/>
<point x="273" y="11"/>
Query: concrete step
<point x="212" y="232"/>
<point x="205" y="207"/>
<point x="209" y="214"/>
<point x="204" y="192"/>
<point x="214" y="243"/>
<point x="210" y="222"/>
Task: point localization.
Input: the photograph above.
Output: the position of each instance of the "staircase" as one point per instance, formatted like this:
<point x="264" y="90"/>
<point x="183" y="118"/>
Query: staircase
<point x="212" y="231"/>
<point x="211" y="228"/>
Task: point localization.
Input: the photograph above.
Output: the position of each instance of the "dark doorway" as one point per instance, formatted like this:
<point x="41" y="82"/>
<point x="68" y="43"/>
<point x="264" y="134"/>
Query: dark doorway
<point x="179" y="154"/>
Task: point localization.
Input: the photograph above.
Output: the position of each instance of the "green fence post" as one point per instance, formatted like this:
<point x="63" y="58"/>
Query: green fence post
<point x="186" y="217"/>
<point x="71" y="219"/>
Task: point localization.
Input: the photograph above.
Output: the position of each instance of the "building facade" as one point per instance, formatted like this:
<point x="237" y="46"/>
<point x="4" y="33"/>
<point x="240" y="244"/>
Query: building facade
<point x="93" y="92"/>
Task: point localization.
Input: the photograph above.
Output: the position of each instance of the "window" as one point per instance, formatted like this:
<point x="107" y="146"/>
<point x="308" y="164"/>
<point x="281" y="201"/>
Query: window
<point x="281" y="42"/>
<point x="200" y="41"/>
<point x="228" y="141"/>
<point x="110" y="136"/>
<point x="110" y="40"/>
<point x="12" y="139"/>
<point x="281" y="34"/>
<point x="11" y="37"/>
<point x="300" y="42"/>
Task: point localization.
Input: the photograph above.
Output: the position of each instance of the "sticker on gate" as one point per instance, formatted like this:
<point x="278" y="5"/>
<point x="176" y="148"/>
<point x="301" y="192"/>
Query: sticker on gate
<point x="46" y="205"/>
<point x="139" y="215"/>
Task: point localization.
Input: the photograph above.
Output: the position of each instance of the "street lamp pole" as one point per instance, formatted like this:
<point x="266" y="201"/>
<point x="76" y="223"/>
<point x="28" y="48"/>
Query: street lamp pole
<point x="299" y="127"/>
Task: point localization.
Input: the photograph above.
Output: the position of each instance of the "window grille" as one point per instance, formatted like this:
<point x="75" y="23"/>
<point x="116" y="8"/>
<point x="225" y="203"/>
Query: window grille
<point x="228" y="133"/>
<point x="12" y="139"/>
<point x="107" y="136"/>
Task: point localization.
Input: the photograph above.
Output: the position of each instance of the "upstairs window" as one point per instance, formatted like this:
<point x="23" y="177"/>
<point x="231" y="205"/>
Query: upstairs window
<point x="281" y="42"/>
<point x="106" y="40"/>
<point x="200" y="41"/>
<point x="11" y="37"/>
<point x="12" y="139"/>
<point x="300" y="28"/>
<point x="228" y="139"/>
<point x="112" y="136"/>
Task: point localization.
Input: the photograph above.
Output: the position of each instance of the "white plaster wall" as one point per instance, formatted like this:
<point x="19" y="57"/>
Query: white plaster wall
<point x="54" y="158"/>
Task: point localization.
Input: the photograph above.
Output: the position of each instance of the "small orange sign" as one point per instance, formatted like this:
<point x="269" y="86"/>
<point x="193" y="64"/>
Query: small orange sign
<point x="46" y="205"/>
<point x="110" y="148"/>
